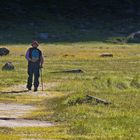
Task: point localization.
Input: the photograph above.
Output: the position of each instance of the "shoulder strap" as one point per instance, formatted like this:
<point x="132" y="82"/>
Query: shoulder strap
<point x="40" y="53"/>
<point x="30" y="52"/>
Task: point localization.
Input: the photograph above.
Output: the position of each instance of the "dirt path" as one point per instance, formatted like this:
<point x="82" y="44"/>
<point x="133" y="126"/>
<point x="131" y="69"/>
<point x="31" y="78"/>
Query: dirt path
<point x="14" y="110"/>
<point x="11" y="114"/>
<point x="21" y="89"/>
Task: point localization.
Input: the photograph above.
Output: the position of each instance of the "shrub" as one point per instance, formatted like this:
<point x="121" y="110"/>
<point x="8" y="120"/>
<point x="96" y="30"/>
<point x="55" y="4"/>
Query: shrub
<point x="77" y="98"/>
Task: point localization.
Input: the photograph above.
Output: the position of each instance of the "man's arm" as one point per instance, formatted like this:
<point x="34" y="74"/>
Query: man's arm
<point x="27" y="55"/>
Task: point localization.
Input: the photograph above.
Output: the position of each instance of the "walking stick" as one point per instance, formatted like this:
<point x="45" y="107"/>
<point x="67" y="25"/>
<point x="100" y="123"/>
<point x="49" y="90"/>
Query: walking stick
<point x="41" y="78"/>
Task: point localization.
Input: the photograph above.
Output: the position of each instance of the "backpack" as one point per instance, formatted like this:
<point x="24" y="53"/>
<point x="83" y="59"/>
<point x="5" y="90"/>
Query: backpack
<point x="35" y="54"/>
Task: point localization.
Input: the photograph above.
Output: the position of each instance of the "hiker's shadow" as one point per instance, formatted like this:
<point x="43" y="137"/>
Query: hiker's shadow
<point x="13" y="92"/>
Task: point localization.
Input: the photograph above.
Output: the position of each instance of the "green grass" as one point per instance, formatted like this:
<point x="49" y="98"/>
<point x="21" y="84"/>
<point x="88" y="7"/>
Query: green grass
<point x="116" y="79"/>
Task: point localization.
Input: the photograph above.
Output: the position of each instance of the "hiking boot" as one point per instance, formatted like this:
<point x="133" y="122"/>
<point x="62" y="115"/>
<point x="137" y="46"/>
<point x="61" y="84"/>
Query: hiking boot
<point x="29" y="88"/>
<point x="35" y="89"/>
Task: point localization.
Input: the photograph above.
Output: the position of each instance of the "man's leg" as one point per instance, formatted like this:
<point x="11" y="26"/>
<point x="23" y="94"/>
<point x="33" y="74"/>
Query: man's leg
<point x="30" y="76"/>
<point x="36" y="77"/>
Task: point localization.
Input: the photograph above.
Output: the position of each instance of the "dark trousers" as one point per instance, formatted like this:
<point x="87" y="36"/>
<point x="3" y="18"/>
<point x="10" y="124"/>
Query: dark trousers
<point x="33" y="70"/>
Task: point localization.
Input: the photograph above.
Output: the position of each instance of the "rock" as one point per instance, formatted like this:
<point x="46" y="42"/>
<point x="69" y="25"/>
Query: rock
<point x="43" y="36"/>
<point x="106" y="55"/>
<point x="4" y="51"/>
<point x="134" y="37"/>
<point x="73" y="71"/>
<point x="98" y="100"/>
<point x="8" y="66"/>
<point x="70" y="71"/>
<point x="67" y="55"/>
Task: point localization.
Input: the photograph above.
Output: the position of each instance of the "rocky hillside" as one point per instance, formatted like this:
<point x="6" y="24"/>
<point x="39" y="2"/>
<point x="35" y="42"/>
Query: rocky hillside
<point x="117" y="8"/>
<point x="73" y="20"/>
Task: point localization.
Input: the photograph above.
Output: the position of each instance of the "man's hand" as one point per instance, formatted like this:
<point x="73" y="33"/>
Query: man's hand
<point x="29" y="59"/>
<point x="41" y="67"/>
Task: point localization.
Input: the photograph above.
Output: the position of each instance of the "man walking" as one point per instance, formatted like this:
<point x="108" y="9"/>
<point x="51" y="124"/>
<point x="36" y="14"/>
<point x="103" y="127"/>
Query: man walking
<point x="35" y="62"/>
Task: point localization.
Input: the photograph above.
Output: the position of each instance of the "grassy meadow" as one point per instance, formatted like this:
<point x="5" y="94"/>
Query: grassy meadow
<point x="116" y="79"/>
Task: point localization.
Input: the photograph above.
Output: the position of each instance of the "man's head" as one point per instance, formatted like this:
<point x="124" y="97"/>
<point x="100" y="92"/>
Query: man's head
<point x="35" y="44"/>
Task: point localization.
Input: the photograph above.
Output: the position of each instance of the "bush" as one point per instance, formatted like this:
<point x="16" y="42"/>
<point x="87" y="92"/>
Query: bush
<point x="77" y="98"/>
